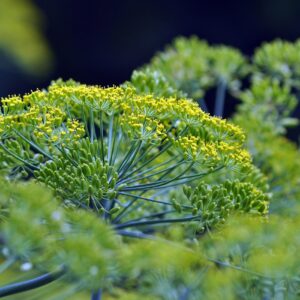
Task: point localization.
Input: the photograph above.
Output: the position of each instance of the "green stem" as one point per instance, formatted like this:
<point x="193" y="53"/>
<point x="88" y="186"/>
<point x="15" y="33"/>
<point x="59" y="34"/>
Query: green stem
<point x="128" y="154"/>
<point x="163" y="184"/>
<point x="102" y="137"/>
<point x="30" y="284"/>
<point x="160" y="214"/>
<point x="135" y="234"/>
<point x="114" y="149"/>
<point x="85" y="124"/>
<point x="154" y="222"/>
<point x="129" y="177"/>
<point x="33" y="145"/>
<point x="220" y="98"/>
<point x="97" y="295"/>
<point x="151" y="200"/>
<point x="227" y="265"/>
<point x="166" y="171"/>
<point x="130" y="159"/>
<point x="18" y="157"/>
<point x="110" y="138"/>
<point x="92" y="126"/>
<point x="165" y="148"/>
<point x="159" y="183"/>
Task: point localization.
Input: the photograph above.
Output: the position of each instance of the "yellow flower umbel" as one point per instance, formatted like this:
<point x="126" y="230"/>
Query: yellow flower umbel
<point x="127" y="144"/>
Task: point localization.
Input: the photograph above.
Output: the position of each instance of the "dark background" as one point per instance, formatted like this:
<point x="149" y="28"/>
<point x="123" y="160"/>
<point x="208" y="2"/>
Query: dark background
<point x="101" y="42"/>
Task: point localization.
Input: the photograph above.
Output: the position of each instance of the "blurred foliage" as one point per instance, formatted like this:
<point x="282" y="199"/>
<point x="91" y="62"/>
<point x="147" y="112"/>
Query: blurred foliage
<point x="247" y="258"/>
<point x="191" y="66"/>
<point x="268" y="101"/>
<point x="152" y="82"/>
<point x="278" y="60"/>
<point x="21" y="38"/>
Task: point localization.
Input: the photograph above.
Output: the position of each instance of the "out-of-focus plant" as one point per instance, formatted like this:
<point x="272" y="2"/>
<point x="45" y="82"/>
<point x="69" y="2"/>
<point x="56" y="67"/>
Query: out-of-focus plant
<point x="191" y="66"/>
<point x="278" y="60"/>
<point x="263" y="253"/>
<point x="148" y="81"/>
<point x="265" y="114"/>
<point x="268" y="101"/>
<point x="75" y="251"/>
<point x="20" y="37"/>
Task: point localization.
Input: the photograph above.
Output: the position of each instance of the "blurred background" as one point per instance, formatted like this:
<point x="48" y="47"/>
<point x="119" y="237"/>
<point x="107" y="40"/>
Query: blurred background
<point x="102" y="42"/>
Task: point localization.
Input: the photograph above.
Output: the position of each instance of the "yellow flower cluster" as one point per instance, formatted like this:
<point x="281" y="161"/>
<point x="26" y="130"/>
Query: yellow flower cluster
<point x="127" y="101"/>
<point x="195" y="148"/>
<point x="43" y="119"/>
<point x="56" y="113"/>
<point x="92" y="96"/>
<point x="51" y="117"/>
<point x="14" y="102"/>
<point x="143" y="126"/>
<point x="75" y="128"/>
<point x="19" y="119"/>
<point x="233" y="152"/>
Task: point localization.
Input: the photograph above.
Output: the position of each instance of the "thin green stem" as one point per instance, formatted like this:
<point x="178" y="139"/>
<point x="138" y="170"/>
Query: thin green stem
<point x="110" y="138"/>
<point x="144" y="151"/>
<point x="166" y="171"/>
<point x="128" y="154"/>
<point x="151" y="200"/>
<point x="165" y="148"/>
<point x="125" y="211"/>
<point x="33" y="145"/>
<point x="157" y="215"/>
<point x="18" y="157"/>
<point x="116" y="148"/>
<point x="30" y="284"/>
<point x="129" y="177"/>
<point x="66" y="155"/>
<point x="130" y="159"/>
<point x="114" y="151"/>
<point x="85" y="123"/>
<point x="102" y="137"/>
<point x="135" y="234"/>
<point x="97" y="295"/>
<point x="159" y="183"/>
<point x="92" y="126"/>
<point x="163" y="184"/>
<point x="155" y="222"/>
<point x="170" y="170"/>
<point x="144" y="198"/>
<point x="220" y="98"/>
<point x="238" y="268"/>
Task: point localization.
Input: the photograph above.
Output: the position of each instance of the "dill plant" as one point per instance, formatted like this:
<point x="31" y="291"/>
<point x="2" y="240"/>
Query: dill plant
<point x="120" y="164"/>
